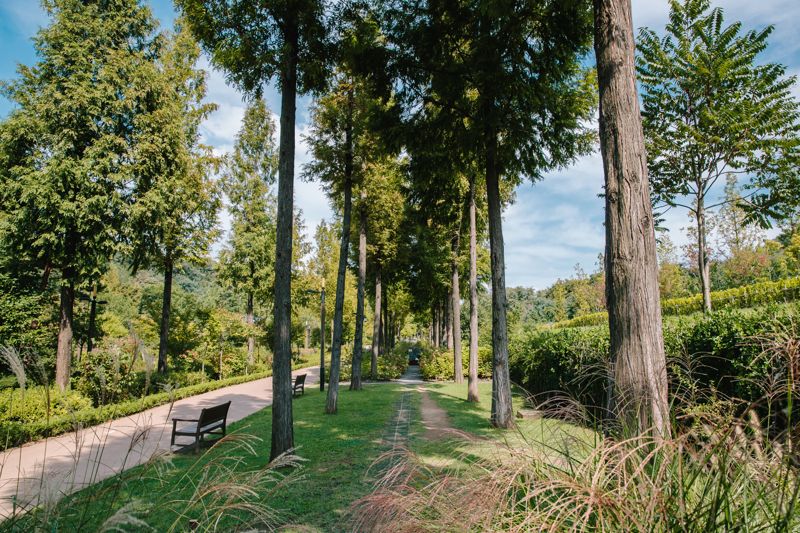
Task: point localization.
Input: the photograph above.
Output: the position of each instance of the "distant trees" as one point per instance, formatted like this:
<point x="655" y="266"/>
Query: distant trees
<point x="709" y="110"/>
<point x="248" y="261"/>
<point x="67" y="145"/>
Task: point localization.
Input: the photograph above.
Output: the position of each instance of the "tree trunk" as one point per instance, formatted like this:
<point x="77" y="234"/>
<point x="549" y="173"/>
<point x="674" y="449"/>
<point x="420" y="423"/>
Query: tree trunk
<point x="322" y="338"/>
<point x="166" y="306"/>
<point x="92" y="321"/>
<point x="282" y="423"/>
<point x="331" y="404"/>
<point x="472" y="386"/>
<point x="702" y="255"/>
<point x="64" y="350"/>
<point x="436" y="328"/>
<point x="358" y="342"/>
<point x="448" y="319"/>
<point x="251" y="339"/>
<point x="376" y="327"/>
<point x="385" y="321"/>
<point x="502" y="410"/>
<point x="458" y="367"/>
<point x="638" y="394"/>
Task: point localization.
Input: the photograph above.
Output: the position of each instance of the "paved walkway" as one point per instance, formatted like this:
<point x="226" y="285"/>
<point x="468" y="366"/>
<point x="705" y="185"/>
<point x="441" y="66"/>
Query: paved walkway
<point x="411" y="376"/>
<point x="44" y="471"/>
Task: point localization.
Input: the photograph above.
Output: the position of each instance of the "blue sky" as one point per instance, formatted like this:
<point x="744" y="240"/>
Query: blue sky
<point x="553" y="225"/>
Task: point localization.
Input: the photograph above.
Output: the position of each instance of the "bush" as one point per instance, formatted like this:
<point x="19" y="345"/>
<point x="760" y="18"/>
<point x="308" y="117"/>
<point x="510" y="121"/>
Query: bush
<point x="767" y="292"/>
<point x="437" y="364"/>
<point x="390" y="365"/>
<point x="35" y="404"/>
<point x="722" y="351"/>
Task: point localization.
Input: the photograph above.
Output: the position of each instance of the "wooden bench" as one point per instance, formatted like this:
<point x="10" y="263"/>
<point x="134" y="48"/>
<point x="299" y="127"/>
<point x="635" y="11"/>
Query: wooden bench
<point x="212" y="421"/>
<point x="299" y="385"/>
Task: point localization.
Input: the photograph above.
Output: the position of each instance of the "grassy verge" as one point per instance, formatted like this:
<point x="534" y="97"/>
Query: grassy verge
<point x="168" y="494"/>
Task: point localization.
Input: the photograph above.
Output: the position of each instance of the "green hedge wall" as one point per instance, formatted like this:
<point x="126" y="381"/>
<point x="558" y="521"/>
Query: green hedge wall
<point x="767" y="292"/>
<point x="723" y="350"/>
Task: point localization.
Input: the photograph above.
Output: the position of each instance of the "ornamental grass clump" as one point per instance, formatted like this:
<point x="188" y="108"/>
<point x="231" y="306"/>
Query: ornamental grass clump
<point x="729" y="466"/>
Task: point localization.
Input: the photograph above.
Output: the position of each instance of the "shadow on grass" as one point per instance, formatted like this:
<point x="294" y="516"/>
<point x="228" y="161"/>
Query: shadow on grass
<point x="337" y="449"/>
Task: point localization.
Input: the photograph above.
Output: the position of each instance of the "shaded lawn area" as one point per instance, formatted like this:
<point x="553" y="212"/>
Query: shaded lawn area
<point x="337" y="449"/>
<point x="545" y="435"/>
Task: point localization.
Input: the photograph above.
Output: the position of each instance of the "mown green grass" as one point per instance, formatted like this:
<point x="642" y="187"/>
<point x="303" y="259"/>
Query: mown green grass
<point x="338" y="451"/>
<point x="545" y="435"/>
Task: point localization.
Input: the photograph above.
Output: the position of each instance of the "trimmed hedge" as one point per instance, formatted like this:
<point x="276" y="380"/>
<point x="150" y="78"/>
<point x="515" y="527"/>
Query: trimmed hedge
<point x="767" y="292"/>
<point x="723" y="348"/>
<point x="437" y="365"/>
<point x="14" y="433"/>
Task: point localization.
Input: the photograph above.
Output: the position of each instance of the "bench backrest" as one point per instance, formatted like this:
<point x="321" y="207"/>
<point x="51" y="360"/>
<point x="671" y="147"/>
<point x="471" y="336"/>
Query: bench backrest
<point x="209" y="415"/>
<point x="300" y="379"/>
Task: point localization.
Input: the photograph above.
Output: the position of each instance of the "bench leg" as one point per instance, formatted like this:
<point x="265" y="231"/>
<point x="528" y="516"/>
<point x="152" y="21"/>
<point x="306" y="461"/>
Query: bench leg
<point x="197" y="440"/>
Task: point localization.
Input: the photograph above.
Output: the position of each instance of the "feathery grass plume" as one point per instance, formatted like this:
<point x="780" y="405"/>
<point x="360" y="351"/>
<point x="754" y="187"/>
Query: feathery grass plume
<point x="125" y="519"/>
<point x="228" y="495"/>
<point x="15" y="363"/>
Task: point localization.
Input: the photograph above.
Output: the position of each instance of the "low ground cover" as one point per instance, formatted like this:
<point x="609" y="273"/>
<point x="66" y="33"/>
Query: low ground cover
<point x="232" y="484"/>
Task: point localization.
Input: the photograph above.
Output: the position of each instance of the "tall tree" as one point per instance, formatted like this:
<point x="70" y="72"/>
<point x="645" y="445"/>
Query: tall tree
<point x="709" y="110"/>
<point x="638" y="396"/>
<point x="247" y="263"/>
<point x="472" y="380"/>
<point x="255" y="42"/>
<point x="68" y="144"/>
<point x="174" y="201"/>
<point x="511" y="68"/>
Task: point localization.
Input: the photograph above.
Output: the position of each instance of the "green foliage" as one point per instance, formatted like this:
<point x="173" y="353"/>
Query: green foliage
<point x="768" y="292"/>
<point x="722" y="351"/>
<point x="37" y="405"/>
<point x="247" y="262"/>
<point x="437" y="364"/>
<point x="391" y="365"/>
<point x="708" y="108"/>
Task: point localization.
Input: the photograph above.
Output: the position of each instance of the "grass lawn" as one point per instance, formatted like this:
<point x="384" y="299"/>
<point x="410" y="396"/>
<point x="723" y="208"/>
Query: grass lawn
<point x="337" y="450"/>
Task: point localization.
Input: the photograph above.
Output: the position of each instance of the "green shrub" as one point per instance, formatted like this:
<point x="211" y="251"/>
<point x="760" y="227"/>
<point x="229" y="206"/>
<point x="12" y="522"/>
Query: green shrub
<point x="721" y="350"/>
<point x="767" y="292"/>
<point x="35" y="404"/>
<point x="390" y="365"/>
<point x="437" y="365"/>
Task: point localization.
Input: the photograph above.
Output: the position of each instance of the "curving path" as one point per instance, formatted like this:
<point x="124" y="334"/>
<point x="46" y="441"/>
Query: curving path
<point x="42" y="472"/>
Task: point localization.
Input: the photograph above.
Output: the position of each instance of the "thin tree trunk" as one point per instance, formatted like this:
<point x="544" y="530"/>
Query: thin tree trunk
<point x="458" y="367"/>
<point x="376" y="327"/>
<point x="436" y="328"/>
<point x="251" y="339"/>
<point x="502" y="410"/>
<point x="448" y="319"/>
<point x="358" y="342"/>
<point x="166" y="307"/>
<point x="331" y="405"/>
<point x="702" y="256"/>
<point x="92" y="321"/>
<point x="385" y="322"/>
<point x="638" y="394"/>
<point x="472" y="386"/>
<point x="282" y="438"/>
<point x="64" y="349"/>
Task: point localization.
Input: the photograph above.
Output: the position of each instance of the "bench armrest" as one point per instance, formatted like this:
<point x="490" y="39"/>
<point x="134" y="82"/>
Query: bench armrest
<point x="185" y="420"/>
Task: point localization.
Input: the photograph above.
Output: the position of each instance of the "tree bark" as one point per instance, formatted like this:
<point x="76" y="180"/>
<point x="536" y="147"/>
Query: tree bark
<point x="282" y="438"/>
<point x="458" y="368"/>
<point x="448" y="319"/>
<point x="472" y="385"/>
<point x="355" y="381"/>
<point x="65" y="334"/>
<point x="251" y="339"/>
<point x="376" y="327"/>
<point x="638" y="393"/>
<point x="436" y="328"/>
<point x="385" y="322"/>
<point x="166" y="307"/>
<point x="502" y="409"/>
<point x="331" y="404"/>
<point x="702" y="255"/>
<point x="92" y="321"/>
